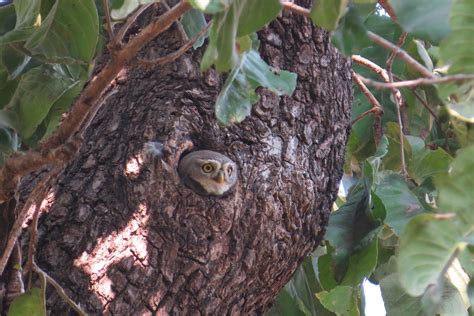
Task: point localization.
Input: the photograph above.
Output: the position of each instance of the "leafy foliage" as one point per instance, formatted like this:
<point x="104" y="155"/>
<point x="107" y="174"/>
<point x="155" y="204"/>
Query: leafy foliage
<point x="238" y="93"/>
<point x="41" y="68"/>
<point x="425" y="218"/>
<point x="406" y="222"/>
<point x="31" y="303"/>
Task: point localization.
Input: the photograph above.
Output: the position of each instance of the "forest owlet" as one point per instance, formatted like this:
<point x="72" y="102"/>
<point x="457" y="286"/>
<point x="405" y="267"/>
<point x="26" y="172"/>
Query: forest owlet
<point x="208" y="172"/>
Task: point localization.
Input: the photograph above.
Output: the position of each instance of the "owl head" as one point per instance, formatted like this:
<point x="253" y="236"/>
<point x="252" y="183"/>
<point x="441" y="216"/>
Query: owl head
<point x="208" y="172"/>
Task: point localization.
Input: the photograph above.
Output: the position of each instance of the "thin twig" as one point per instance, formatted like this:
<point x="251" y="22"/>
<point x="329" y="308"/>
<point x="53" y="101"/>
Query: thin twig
<point x="131" y="20"/>
<point x="400" y="53"/>
<point x="423" y="102"/>
<point x="34" y="231"/>
<point x="385" y="4"/>
<point x="108" y="25"/>
<point x="417" y="82"/>
<point x="385" y="77"/>
<point x="360" y="117"/>
<point x="35" y="197"/>
<point x="372" y="66"/>
<point x="397" y="96"/>
<point x="393" y="54"/>
<point x="59" y="289"/>
<point x="181" y="30"/>
<point x="175" y="55"/>
<point x="290" y="6"/>
<point x="376" y="108"/>
<point x="32" y="246"/>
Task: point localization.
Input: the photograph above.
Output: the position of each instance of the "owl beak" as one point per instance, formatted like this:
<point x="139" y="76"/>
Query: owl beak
<point x="220" y="177"/>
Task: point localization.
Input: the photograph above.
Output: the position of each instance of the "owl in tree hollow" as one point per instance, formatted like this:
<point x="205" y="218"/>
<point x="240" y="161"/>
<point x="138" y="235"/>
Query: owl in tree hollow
<point x="208" y="172"/>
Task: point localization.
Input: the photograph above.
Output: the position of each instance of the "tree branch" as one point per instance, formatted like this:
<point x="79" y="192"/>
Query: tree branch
<point x="372" y="66"/>
<point x="175" y="55"/>
<point x="384" y="75"/>
<point x="397" y="96"/>
<point x="35" y="198"/>
<point x="108" y="26"/>
<point x="32" y="160"/>
<point x="417" y="82"/>
<point x="376" y="109"/>
<point x="400" y="53"/>
<point x="290" y="6"/>
<point x="130" y="20"/>
<point x="388" y="8"/>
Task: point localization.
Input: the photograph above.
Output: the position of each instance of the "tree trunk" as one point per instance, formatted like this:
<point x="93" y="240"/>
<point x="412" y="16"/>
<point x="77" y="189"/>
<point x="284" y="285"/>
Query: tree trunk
<point x="124" y="237"/>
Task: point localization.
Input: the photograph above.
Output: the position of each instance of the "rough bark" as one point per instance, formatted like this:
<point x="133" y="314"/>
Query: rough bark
<point x="123" y="237"/>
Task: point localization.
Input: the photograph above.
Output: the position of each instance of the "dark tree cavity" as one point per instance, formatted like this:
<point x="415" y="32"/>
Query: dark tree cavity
<point x="123" y="237"/>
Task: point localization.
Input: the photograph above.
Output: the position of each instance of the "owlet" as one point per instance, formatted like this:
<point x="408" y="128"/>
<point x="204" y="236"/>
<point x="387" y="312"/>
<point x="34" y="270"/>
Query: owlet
<point x="208" y="172"/>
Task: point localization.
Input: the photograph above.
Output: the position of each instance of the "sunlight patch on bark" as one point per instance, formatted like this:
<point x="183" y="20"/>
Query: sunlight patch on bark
<point x="133" y="166"/>
<point x="128" y="242"/>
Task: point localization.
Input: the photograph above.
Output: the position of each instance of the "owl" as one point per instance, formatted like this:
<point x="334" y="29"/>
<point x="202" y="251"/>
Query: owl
<point x="208" y="172"/>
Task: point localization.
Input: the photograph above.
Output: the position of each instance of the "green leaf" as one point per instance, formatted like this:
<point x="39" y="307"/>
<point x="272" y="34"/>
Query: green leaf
<point x="7" y="88"/>
<point x="31" y="303"/>
<point x="37" y="91"/>
<point x="193" y="22"/>
<point x="426" y="248"/>
<point x="241" y="18"/>
<point x="7" y="19"/>
<point x="67" y="20"/>
<point x="400" y="203"/>
<point x="470" y="292"/>
<point x="326" y="274"/>
<point x="256" y="14"/>
<point x="299" y="288"/>
<point x="122" y="9"/>
<point x="429" y="163"/>
<point x="235" y="100"/>
<point x="361" y="264"/>
<point x="452" y="302"/>
<point x="327" y="13"/>
<point x="8" y="119"/>
<point x="285" y="304"/>
<point x="221" y="50"/>
<point x="393" y="161"/>
<point x="350" y="36"/>
<point x="13" y="61"/>
<point x="463" y="111"/>
<point x="464" y="131"/>
<point x="116" y="4"/>
<point x="443" y="298"/>
<point x="455" y="192"/>
<point x="28" y="18"/>
<point x="397" y="302"/>
<point x="340" y="300"/>
<point x="211" y="6"/>
<point x="61" y="106"/>
<point x="351" y="227"/>
<point x="385" y="269"/>
<point x="377" y="210"/>
<point x="425" y="19"/>
<point x="457" y="49"/>
<point x="8" y="140"/>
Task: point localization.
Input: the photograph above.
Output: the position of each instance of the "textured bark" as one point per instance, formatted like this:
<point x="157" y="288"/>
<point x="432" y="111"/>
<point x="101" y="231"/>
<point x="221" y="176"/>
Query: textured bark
<point x="122" y="236"/>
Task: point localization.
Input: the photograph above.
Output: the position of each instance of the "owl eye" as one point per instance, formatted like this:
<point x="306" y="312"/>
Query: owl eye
<point x="207" y="168"/>
<point x="230" y="170"/>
